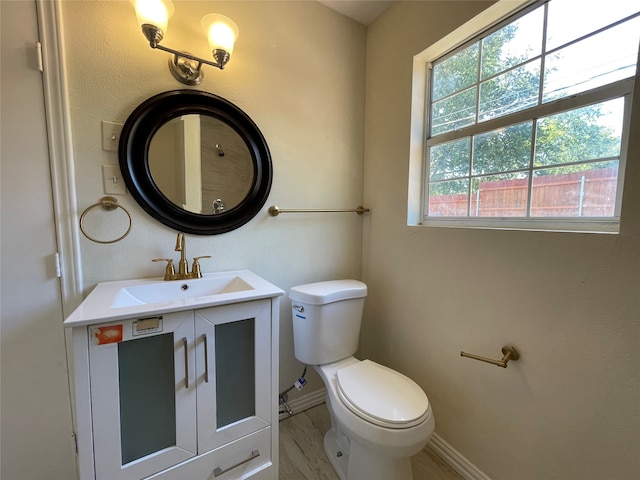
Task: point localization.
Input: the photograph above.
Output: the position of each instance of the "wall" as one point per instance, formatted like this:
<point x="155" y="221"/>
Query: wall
<point x="570" y="407"/>
<point x="298" y="71"/>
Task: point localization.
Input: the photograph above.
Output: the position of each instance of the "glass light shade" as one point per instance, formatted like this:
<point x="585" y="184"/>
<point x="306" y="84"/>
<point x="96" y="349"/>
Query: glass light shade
<point x="221" y="31"/>
<point x="154" y="12"/>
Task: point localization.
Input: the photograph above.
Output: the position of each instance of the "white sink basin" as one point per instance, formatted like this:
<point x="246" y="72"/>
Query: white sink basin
<point x="110" y="301"/>
<point x="162" y="292"/>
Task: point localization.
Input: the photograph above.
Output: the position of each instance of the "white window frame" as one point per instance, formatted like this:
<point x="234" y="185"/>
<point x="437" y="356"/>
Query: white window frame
<point x="420" y="128"/>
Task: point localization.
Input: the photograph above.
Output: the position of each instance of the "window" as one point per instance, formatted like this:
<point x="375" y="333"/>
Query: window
<point x="526" y="124"/>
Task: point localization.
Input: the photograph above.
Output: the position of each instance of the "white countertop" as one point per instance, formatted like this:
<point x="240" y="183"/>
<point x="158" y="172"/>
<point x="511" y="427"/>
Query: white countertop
<point x="101" y="304"/>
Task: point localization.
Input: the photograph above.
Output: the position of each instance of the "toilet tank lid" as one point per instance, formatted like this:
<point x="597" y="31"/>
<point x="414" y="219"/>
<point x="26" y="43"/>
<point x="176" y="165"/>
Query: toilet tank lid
<point x="320" y="293"/>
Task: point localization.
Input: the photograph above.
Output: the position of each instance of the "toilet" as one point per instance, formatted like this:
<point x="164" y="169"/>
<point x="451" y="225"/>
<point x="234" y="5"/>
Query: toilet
<point x="379" y="417"/>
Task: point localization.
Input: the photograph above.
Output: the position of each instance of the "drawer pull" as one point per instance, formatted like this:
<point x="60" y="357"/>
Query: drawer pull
<point x="206" y="358"/>
<point x="219" y="471"/>
<point x="185" y="344"/>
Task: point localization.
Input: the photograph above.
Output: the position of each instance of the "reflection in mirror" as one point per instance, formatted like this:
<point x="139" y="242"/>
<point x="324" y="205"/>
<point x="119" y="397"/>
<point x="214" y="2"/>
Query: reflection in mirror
<point x="201" y="164"/>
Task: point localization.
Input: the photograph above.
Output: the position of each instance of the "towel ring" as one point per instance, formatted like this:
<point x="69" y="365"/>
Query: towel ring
<point x="107" y="203"/>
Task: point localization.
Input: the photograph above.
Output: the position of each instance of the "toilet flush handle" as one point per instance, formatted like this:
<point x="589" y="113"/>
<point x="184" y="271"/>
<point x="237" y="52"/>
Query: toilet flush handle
<point x="299" y="308"/>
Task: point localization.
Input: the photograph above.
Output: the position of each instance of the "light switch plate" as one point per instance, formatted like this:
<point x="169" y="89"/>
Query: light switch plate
<point x="112" y="180"/>
<point x="111" y="135"/>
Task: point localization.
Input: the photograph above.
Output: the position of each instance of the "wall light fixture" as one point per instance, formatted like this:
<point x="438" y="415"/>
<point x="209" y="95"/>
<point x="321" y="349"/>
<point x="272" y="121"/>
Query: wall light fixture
<point x="153" y="17"/>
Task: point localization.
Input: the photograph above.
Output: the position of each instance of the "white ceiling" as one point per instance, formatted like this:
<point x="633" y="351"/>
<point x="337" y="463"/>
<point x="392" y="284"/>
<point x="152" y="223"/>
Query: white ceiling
<point x="362" y="11"/>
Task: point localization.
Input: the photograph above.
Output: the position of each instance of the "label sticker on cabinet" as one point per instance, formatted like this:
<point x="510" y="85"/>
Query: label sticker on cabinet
<point x="144" y="326"/>
<point x="106" y="335"/>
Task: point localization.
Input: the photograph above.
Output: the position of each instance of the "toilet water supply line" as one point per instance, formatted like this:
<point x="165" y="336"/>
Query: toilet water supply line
<point x="298" y="384"/>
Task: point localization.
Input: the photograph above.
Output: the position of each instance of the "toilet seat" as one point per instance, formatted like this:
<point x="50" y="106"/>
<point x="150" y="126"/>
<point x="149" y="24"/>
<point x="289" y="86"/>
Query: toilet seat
<point x="381" y="395"/>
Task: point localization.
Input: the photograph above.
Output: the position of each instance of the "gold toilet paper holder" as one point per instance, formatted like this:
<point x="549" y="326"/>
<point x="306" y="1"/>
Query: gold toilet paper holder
<point x="510" y="353"/>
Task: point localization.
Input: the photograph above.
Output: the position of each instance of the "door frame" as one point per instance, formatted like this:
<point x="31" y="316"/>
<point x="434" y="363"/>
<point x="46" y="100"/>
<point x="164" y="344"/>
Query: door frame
<point x="58" y="125"/>
<point x="64" y="203"/>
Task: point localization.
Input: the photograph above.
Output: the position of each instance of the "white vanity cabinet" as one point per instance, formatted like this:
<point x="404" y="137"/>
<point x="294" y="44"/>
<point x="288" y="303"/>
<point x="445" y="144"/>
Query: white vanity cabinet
<point x="188" y="394"/>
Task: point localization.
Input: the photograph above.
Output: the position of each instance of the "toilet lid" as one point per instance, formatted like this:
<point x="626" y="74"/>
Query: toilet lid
<point x="382" y="396"/>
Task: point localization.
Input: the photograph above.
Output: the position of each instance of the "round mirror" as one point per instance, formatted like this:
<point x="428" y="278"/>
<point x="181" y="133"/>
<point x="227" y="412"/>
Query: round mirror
<point x="195" y="162"/>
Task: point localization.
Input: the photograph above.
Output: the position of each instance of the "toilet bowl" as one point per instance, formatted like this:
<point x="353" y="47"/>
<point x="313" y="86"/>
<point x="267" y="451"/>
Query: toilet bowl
<point x="371" y="440"/>
<point x="379" y="417"/>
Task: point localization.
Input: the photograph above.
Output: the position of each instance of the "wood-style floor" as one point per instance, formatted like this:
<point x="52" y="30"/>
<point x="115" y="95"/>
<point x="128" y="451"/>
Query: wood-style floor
<point x="302" y="456"/>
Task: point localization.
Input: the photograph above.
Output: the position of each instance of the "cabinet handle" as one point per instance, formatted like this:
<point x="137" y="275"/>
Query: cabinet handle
<point x="186" y="362"/>
<point x="219" y="471"/>
<point x="206" y="358"/>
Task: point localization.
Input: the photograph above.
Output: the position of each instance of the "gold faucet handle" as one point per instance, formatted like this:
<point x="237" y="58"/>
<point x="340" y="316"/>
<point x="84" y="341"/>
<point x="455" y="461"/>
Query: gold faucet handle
<point x="195" y="269"/>
<point x="170" y="270"/>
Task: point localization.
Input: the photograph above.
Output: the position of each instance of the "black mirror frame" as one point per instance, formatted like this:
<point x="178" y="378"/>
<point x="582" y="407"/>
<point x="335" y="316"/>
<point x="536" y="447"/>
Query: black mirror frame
<point x="133" y="151"/>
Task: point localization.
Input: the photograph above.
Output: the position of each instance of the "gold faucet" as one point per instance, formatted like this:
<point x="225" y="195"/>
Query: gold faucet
<point x="183" y="266"/>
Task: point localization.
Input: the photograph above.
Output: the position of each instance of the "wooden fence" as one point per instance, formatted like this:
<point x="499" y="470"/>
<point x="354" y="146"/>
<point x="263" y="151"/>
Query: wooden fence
<point x="591" y="193"/>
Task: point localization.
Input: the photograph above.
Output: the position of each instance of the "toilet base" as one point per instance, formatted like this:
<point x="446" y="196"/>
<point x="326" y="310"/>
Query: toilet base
<point x="357" y="463"/>
<point x="338" y="458"/>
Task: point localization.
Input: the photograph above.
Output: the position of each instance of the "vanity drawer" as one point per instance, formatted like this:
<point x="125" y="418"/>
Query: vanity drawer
<point x="242" y="459"/>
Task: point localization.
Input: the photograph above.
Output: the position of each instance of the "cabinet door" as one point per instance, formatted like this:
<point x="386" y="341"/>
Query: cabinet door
<point x="143" y="397"/>
<point x="233" y="356"/>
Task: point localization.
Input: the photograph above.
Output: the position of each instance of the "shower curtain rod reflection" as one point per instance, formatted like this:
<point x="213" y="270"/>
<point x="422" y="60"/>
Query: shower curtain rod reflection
<point x="274" y="210"/>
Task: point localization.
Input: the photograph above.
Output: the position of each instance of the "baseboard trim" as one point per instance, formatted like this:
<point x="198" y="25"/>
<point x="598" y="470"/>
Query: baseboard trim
<point x="305" y="402"/>
<point x="455" y="459"/>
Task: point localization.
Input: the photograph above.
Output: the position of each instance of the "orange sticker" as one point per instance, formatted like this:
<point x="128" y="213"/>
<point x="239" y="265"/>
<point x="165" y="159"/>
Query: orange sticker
<point x="110" y="334"/>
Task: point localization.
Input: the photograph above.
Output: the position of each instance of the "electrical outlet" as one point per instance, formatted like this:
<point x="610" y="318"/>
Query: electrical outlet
<point x="111" y="135"/>
<point x="112" y="180"/>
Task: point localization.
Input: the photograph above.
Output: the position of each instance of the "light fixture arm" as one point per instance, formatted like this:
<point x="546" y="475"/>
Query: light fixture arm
<point x="177" y="55"/>
<point x="187" y="68"/>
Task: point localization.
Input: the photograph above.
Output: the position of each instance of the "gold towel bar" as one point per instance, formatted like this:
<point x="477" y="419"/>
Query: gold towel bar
<point x="510" y="353"/>
<point x="274" y="210"/>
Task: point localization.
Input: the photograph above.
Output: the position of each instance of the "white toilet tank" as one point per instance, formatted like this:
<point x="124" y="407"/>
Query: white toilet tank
<point x="326" y="320"/>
